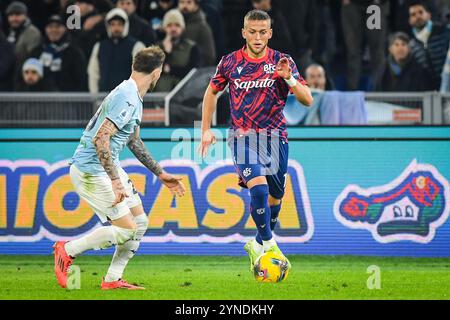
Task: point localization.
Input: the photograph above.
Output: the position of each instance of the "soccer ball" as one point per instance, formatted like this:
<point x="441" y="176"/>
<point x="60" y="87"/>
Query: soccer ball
<point x="271" y="267"/>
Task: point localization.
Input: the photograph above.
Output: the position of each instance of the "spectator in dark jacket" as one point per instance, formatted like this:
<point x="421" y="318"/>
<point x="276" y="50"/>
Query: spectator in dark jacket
<point x="401" y="71"/>
<point x="63" y="62"/>
<point x="214" y="13"/>
<point x="32" y="78"/>
<point x="154" y="11"/>
<point x="302" y="20"/>
<point x="430" y="43"/>
<point x="7" y="61"/>
<point x="23" y="34"/>
<point x="182" y="54"/>
<point x="354" y="24"/>
<point x="92" y="27"/>
<point x="233" y="11"/>
<point x="139" y="28"/>
<point x="41" y="10"/>
<point x="111" y="59"/>
<point x="399" y="17"/>
<point x="281" y="39"/>
<point x="198" y="30"/>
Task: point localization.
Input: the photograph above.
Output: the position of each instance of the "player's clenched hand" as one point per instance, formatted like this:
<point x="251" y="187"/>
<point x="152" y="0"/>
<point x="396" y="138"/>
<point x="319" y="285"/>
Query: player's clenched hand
<point x="284" y="70"/>
<point x="173" y="183"/>
<point x="208" y="138"/>
<point x="119" y="191"/>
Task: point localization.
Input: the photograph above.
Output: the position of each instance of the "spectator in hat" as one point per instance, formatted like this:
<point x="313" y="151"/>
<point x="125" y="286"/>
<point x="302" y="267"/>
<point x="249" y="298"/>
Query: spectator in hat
<point x="111" y="59"/>
<point x="182" y="54"/>
<point x="32" y="78"/>
<point x="430" y="43"/>
<point x="139" y="28"/>
<point x="198" y="30"/>
<point x="7" y="61"/>
<point x="64" y="63"/>
<point x="401" y="71"/>
<point x="23" y="34"/>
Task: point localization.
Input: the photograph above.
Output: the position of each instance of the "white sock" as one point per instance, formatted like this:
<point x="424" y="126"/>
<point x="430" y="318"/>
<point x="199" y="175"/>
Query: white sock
<point x="126" y="251"/>
<point x="258" y="248"/>
<point x="269" y="244"/>
<point x="123" y="254"/>
<point x="101" y="238"/>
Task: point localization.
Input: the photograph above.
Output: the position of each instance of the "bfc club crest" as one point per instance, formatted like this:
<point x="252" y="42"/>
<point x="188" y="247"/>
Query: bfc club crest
<point x="410" y="208"/>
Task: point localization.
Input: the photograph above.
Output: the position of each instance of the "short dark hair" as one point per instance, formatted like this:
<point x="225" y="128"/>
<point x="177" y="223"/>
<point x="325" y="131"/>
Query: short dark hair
<point x="422" y="3"/>
<point x="149" y="59"/>
<point x="257" y="15"/>
<point x="398" y="36"/>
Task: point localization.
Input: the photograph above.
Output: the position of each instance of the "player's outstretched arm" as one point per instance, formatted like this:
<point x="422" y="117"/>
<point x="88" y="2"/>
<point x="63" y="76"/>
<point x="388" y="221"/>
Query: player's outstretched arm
<point x="101" y="142"/>
<point x="301" y="92"/>
<point x="137" y="147"/>
<point x="208" y="109"/>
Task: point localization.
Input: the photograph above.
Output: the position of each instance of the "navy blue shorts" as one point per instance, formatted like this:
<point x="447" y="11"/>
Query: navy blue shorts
<point x="255" y="157"/>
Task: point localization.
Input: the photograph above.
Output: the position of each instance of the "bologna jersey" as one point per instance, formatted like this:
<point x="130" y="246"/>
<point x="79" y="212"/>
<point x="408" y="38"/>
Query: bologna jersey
<point x="123" y="106"/>
<point x="257" y="94"/>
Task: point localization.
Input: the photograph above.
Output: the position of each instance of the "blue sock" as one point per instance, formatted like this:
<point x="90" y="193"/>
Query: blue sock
<point x="259" y="208"/>
<point x="274" y="213"/>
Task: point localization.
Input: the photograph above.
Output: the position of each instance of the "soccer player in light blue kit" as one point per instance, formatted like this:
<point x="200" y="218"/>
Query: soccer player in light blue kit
<point x="98" y="178"/>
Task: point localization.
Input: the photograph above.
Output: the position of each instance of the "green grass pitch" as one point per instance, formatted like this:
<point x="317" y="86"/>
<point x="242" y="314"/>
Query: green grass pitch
<point x="222" y="278"/>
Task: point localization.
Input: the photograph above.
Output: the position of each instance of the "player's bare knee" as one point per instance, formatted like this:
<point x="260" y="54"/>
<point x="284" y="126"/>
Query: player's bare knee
<point x="274" y="201"/>
<point x="256" y="181"/>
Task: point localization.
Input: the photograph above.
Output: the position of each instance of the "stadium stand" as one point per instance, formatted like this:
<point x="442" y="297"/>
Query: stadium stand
<point x="326" y="36"/>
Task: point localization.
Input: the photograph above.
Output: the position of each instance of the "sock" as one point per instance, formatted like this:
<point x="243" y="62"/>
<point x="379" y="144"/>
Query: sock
<point x="258" y="248"/>
<point x="268" y="244"/>
<point x="126" y="251"/>
<point x="274" y="213"/>
<point x="260" y="211"/>
<point x="101" y="238"/>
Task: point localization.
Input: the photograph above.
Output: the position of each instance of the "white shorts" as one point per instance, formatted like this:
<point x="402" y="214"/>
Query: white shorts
<point x="98" y="193"/>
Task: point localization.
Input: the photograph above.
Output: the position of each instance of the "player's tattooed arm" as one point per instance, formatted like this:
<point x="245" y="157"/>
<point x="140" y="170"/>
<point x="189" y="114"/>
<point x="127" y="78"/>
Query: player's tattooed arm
<point x="137" y="147"/>
<point x="102" y="146"/>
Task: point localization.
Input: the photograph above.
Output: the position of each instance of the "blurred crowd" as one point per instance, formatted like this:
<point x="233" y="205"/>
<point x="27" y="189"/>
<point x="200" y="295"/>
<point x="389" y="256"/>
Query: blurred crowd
<point x="335" y="43"/>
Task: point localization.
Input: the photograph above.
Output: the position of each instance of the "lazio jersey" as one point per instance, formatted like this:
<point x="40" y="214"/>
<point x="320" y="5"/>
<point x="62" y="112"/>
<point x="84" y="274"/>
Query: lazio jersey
<point x="123" y="106"/>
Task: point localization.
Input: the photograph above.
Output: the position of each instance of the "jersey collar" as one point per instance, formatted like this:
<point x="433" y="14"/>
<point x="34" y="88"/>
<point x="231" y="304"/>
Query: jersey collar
<point x="259" y="60"/>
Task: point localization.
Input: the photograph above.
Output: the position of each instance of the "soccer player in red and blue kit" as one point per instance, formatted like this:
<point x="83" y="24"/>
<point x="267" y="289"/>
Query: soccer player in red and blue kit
<point x="259" y="80"/>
